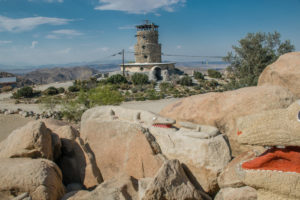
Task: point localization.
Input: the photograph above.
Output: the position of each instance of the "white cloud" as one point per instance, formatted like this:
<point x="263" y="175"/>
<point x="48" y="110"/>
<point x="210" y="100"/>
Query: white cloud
<point x="139" y="6"/>
<point x="29" y="23"/>
<point x="5" y="42"/>
<point x="67" y="32"/>
<point x="178" y="47"/>
<point x="51" y="36"/>
<point x="33" y="44"/>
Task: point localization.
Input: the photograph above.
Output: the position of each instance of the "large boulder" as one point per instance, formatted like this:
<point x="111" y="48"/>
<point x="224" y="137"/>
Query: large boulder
<point x="242" y="193"/>
<point x="32" y="140"/>
<point x="284" y="72"/>
<point x="142" y="117"/>
<point x="222" y="109"/>
<point x="121" y="187"/>
<point x="204" y="154"/>
<point x="121" y="147"/>
<point x="171" y="183"/>
<point x="76" y="161"/>
<point x="41" y="178"/>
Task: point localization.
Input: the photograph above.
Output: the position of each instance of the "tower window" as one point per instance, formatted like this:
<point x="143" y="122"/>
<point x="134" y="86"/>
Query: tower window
<point x="143" y="47"/>
<point x="141" y="68"/>
<point x="145" y="56"/>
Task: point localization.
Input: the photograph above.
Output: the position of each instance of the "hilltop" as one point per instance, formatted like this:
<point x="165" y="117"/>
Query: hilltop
<point x="60" y="74"/>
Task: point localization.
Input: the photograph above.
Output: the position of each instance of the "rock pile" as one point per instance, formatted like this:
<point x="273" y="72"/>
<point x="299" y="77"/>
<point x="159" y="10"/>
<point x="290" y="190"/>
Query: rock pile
<point x="115" y="156"/>
<point x="137" y="155"/>
<point x="23" y="113"/>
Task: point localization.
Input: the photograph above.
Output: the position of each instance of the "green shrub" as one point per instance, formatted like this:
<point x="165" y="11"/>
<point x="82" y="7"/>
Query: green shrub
<point x="72" y="111"/>
<point x="51" y="91"/>
<point x="124" y="86"/>
<point x="186" y="81"/>
<point x="214" y="73"/>
<point x="61" y="90"/>
<point x="152" y="95"/>
<point x="74" y="88"/>
<point x="49" y="102"/>
<point x="198" y="76"/>
<point x="197" y="87"/>
<point x="139" y="79"/>
<point x="104" y="95"/>
<point x="25" y="92"/>
<point x="102" y="82"/>
<point x="212" y="83"/>
<point x="165" y="86"/>
<point x="117" y="79"/>
<point x="134" y="90"/>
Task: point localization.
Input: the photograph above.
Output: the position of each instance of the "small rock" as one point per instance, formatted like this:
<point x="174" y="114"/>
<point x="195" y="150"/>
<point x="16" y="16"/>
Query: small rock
<point x="32" y="140"/>
<point x="171" y="183"/>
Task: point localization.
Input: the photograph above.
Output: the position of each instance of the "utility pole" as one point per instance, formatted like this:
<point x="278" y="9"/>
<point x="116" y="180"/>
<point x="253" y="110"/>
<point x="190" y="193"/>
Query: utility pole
<point x="123" y="57"/>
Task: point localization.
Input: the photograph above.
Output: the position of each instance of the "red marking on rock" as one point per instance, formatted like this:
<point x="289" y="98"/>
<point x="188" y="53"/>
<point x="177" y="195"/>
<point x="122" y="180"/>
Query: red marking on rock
<point x="239" y="132"/>
<point x="286" y="160"/>
<point x="163" y="125"/>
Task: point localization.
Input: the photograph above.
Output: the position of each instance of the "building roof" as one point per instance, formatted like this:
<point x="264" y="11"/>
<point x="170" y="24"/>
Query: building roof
<point x="8" y="80"/>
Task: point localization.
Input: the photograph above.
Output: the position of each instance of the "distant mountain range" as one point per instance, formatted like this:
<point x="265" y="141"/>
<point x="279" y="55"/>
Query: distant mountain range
<point x="21" y="70"/>
<point x="60" y="74"/>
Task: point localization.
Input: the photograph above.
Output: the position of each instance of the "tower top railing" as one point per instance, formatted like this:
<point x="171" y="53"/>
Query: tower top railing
<point x="147" y="26"/>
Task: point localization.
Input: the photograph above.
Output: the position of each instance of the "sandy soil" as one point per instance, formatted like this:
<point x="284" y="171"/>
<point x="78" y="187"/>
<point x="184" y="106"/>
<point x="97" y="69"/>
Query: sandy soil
<point x="8" y="123"/>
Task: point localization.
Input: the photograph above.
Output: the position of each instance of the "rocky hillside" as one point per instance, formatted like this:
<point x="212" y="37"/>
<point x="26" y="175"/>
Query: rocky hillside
<point x="45" y="76"/>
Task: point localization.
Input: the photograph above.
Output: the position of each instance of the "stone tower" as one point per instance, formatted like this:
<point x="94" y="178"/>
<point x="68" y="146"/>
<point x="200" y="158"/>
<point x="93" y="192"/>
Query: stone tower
<point x="147" y="49"/>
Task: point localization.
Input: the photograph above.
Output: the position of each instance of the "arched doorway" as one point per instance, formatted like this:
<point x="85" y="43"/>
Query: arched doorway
<point x="157" y="73"/>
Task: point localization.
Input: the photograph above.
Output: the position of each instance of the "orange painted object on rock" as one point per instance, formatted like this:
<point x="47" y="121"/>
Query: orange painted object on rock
<point x="163" y="125"/>
<point x="286" y="160"/>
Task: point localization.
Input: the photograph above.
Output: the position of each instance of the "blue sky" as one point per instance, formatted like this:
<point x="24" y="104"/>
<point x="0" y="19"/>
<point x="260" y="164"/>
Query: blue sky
<point x="40" y="32"/>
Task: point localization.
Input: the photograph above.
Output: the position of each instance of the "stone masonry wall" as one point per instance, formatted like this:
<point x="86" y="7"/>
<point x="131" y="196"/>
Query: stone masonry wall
<point x="147" y="49"/>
